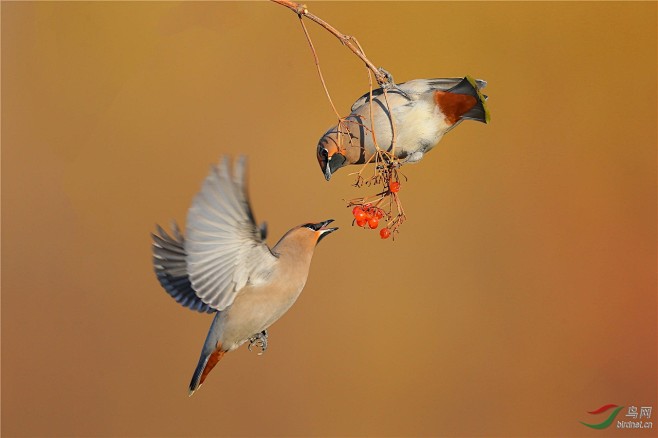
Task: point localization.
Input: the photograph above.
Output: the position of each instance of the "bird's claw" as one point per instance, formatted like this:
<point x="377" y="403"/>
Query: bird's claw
<point x="389" y="84"/>
<point x="259" y="340"/>
<point x="388" y="79"/>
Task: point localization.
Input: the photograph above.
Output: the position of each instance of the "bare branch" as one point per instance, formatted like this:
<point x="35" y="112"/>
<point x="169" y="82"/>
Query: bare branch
<point x="386" y="165"/>
<point x="382" y="79"/>
<point x="317" y="65"/>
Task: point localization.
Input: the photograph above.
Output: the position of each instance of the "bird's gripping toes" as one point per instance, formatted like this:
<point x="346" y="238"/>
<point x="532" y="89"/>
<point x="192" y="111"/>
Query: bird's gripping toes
<point x="409" y="120"/>
<point x="224" y="266"/>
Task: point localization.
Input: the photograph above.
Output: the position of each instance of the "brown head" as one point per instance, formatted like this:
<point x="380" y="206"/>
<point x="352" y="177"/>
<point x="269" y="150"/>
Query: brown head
<point x="330" y="156"/>
<point x="301" y="241"/>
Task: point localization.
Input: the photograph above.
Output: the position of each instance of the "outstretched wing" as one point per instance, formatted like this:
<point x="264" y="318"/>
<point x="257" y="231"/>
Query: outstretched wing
<point x="171" y="269"/>
<point x="225" y="249"/>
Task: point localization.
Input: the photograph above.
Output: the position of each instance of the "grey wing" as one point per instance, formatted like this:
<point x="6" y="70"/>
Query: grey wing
<point x="171" y="269"/>
<point x="411" y="89"/>
<point x="444" y="84"/>
<point x="392" y="93"/>
<point x="419" y="86"/>
<point x="225" y="249"/>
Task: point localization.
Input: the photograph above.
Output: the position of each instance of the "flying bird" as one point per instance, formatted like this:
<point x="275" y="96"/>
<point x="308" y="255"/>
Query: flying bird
<point x="422" y="110"/>
<point x="223" y="265"/>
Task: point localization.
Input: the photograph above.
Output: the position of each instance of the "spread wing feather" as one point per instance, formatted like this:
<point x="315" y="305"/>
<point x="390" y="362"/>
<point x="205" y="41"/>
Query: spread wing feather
<point x="169" y="262"/>
<point x="224" y="248"/>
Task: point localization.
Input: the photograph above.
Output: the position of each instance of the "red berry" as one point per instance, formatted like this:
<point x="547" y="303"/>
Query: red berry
<point x="356" y="210"/>
<point x="361" y="215"/>
<point x="379" y="213"/>
<point x="385" y="233"/>
<point x="361" y="222"/>
<point x="394" y="187"/>
<point x="373" y="222"/>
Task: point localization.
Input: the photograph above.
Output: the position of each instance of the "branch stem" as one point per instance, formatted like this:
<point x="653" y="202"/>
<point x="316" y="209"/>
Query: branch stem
<point x="317" y="65"/>
<point x="346" y="40"/>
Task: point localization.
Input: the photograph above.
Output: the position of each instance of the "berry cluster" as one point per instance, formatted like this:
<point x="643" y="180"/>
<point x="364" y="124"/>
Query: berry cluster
<point x="386" y="205"/>
<point x="367" y="215"/>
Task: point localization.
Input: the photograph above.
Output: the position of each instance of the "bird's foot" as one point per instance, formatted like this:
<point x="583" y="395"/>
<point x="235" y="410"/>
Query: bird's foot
<point x="388" y="79"/>
<point x="389" y="84"/>
<point x="259" y="340"/>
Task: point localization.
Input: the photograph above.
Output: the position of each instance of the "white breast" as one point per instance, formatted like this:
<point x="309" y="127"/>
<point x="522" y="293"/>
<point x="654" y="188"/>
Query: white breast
<point x="419" y="127"/>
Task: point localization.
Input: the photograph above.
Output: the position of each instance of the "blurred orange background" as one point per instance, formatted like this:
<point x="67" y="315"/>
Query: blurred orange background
<point x="520" y="294"/>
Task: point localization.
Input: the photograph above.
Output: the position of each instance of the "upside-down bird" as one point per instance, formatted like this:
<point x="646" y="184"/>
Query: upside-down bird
<point x="223" y="265"/>
<point x="408" y="119"/>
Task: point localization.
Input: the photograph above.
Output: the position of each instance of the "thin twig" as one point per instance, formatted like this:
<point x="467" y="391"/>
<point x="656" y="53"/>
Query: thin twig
<point x="317" y="65"/>
<point x="372" y="119"/>
<point x="346" y="40"/>
<point x="341" y="121"/>
<point x="392" y="122"/>
<point x="385" y="163"/>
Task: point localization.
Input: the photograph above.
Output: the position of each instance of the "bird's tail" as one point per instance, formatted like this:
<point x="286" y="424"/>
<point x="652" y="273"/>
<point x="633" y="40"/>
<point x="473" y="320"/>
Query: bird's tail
<point x="470" y="87"/>
<point x="211" y="353"/>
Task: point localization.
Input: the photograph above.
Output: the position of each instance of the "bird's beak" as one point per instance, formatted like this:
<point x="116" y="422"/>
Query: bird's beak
<point x="322" y="228"/>
<point x="335" y="162"/>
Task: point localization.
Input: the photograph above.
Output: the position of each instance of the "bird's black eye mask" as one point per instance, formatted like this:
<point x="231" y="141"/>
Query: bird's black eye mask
<point x="323" y="157"/>
<point x="320" y="226"/>
<point x="314" y="227"/>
